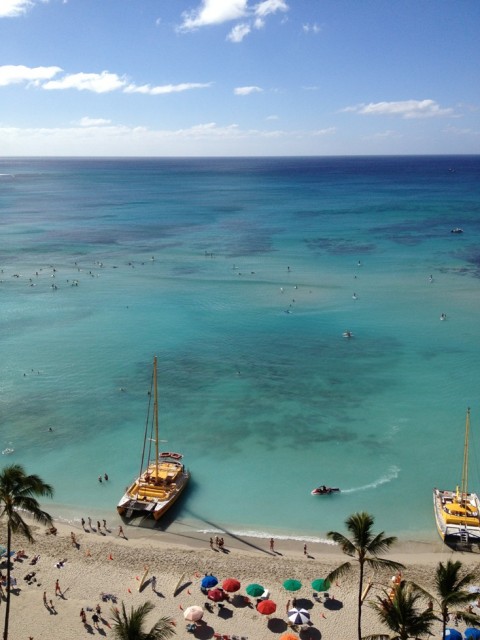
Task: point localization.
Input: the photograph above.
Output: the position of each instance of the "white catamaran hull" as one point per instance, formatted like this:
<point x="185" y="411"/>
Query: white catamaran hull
<point x="455" y="532"/>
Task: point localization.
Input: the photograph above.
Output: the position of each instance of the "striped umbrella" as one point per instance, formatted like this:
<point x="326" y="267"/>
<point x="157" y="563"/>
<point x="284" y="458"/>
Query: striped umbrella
<point x="453" y="634"/>
<point x="298" y="616"/>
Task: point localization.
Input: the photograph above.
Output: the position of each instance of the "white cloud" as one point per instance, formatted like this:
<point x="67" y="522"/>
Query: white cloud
<point x="267" y="7"/>
<point x="16" y="74"/>
<point x="324" y="132"/>
<point x="93" y="122"/>
<point x="14" y="8"/>
<point x="103" y="82"/>
<point x="213" y="12"/>
<point x="239" y="31"/>
<point x="246" y="91"/>
<point x="314" y="28"/>
<point x="272" y="117"/>
<point x="164" y="89"/>
<point x="407" y="109"/>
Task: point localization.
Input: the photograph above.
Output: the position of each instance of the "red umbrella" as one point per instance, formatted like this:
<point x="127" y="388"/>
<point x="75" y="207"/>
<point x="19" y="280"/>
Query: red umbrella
<point x="216" y="595"/>
<point x="266" y="607"/>
<point x="231" y="584"/>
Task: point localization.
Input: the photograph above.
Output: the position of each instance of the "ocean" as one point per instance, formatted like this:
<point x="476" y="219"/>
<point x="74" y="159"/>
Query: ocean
<point x="241" y="275"/>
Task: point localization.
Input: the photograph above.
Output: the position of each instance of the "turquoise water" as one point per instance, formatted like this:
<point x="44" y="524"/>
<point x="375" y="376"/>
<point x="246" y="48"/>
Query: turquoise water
<point x="240" y="275"/>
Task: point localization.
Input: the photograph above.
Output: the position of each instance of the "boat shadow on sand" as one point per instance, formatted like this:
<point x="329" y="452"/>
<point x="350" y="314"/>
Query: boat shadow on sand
<point x="189" y="530"/>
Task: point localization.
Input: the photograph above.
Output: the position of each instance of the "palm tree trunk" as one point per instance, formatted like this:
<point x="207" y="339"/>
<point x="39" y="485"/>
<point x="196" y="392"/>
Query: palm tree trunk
<point x="7" y="606"/>
<point x="360" y="591"/>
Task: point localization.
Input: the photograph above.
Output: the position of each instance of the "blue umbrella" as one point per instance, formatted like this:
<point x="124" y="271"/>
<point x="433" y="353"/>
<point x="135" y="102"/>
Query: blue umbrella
<point x="472" y="634"/>
<point x="209" y="581"/>
<point x="453" y="634"/>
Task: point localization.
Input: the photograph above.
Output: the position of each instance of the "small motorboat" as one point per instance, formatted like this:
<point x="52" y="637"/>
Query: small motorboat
<point x="347" y="334"/>
<point x="325" y="491"/>
<point x="456" y="230"/>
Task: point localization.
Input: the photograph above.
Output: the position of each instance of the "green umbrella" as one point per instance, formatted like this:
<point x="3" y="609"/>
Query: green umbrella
<point x="255" y="590"/>
<point x="292" y="585"/>
<point x="321" y="585"/>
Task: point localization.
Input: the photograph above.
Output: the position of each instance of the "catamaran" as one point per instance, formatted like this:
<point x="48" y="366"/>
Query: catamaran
<point x="164" y="476"/>
<point x="457" y="513"/>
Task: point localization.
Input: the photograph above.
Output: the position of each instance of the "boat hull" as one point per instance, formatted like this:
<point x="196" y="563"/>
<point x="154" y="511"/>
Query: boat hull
<point x="453" y="526"/>
<point x="147" y="497"/>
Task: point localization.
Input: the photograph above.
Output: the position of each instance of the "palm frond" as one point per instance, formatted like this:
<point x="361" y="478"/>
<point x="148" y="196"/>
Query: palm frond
<point x="339" y="572"/>
<point x="383" y="563"/>
<point x="348" y="548"/>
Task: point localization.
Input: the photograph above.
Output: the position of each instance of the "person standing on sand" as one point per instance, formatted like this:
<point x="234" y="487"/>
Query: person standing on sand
<point x="272" y="545"/>
<point x="120" y="532"/>
<point x="45" y="601"/>
<point x="305" y="549"/>
<point x="57" y="588"/>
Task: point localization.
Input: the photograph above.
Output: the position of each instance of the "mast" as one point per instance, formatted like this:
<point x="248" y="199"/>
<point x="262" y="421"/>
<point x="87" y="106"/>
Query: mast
<point x="464" y="487"/>
<point x="155" y="412"/>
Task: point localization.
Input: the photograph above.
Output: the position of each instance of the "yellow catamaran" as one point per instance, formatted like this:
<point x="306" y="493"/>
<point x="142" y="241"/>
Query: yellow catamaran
<point x="457" y="513"/>
<point x="164" y="478"/>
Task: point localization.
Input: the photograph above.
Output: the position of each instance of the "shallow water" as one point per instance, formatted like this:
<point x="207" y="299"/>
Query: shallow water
<point x="256" y="263"/>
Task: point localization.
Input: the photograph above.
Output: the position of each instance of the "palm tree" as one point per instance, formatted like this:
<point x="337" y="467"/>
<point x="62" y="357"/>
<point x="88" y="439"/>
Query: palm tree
<point x="452" y="596"/>
<point x="18" y="492"/>
<point x="130" y="626"/>
<point x="399" y="611"/>
<point x="364" y="546"/>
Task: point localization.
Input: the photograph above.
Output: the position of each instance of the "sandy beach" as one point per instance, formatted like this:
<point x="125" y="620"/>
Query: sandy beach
<point x="103" y="562"/>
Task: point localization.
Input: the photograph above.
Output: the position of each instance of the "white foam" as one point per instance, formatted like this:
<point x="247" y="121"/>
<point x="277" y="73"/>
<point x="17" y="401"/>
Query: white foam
<point x="392" y="474"/>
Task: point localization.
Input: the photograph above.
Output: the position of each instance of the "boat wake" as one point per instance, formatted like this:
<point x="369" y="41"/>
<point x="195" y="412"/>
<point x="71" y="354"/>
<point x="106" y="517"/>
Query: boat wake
<point x="392" y="474"/>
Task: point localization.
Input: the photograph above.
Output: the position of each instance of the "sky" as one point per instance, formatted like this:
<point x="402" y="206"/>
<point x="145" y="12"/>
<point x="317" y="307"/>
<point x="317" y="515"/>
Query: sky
<point x="239" y="77"/>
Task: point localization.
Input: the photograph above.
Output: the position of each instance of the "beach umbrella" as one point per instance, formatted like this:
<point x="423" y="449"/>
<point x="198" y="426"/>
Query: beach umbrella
<point x="231" y="585"/>
<point x="193" y="613"/>
<point x="321" y="585"/>
<point x="453" y="634"/>
<point x="288" y="636"/>
<point x="216" y="595"/>
<point x="472" y="634"/>
<point x="209" y="581"/>
<point x="298" y="616"/>
<point x="255" y="590"/>
<point x="292" y="585"/>
<point x="2" y="551"/>
<point x="266" y="607"/>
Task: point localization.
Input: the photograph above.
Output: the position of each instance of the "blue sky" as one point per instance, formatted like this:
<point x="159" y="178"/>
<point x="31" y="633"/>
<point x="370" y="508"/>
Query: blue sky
<point x="239" y="77"/>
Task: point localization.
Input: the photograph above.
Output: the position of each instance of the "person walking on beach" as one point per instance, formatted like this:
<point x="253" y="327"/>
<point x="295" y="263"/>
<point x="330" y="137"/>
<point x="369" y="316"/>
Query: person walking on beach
<point x="95" y="620"/>
<point x="105" y="525"/>
<point x="272" y="545"/>
<point x="120" y="532"/>
<point x="57" y="588"/>
<point x="73" y="538"/>
<point x="90" y="522"/>
<point x="83" y="524"/>
<point x="45" y="601"/>
<point x="305" y="549"/>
